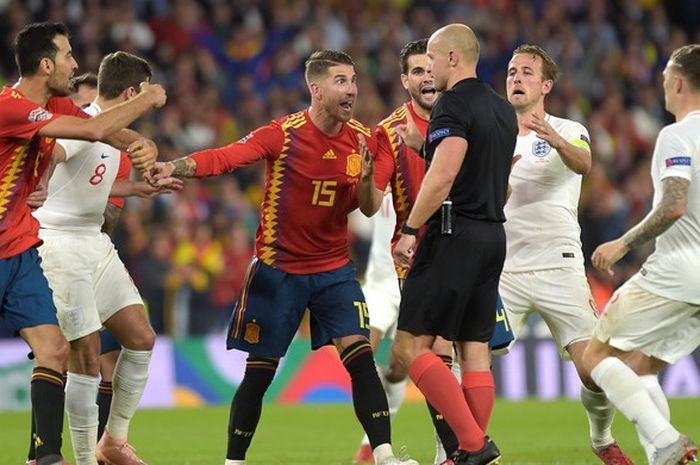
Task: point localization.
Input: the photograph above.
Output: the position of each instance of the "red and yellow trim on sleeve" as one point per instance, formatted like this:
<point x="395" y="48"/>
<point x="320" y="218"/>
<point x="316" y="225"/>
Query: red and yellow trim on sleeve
<point x="269" y="214"/>
<point x="9" y="180"/>
<point x="359" y="127"/>
<point x="398" y="188"/>
<point x="242" y="304"/>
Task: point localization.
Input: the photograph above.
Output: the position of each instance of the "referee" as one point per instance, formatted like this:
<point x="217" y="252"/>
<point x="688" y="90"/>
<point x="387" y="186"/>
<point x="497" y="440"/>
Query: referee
<point x="452" y="286"/>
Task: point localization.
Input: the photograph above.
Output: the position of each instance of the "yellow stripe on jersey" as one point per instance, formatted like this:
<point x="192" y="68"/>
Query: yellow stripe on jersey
<point x="296" y="120"/>
<point x="581" y="143"/>
<point x="397" y="115"/>
<point x="359" y="127"/>
<point x="9" y="181"/>
<point x="272" y="196"/>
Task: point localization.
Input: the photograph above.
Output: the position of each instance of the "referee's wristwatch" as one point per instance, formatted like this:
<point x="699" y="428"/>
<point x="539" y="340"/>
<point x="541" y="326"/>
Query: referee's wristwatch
<point x="406" y="229"/>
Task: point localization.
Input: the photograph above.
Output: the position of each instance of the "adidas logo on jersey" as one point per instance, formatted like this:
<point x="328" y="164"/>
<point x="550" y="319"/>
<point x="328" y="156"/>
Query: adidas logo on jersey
<point x="329" y="155"/>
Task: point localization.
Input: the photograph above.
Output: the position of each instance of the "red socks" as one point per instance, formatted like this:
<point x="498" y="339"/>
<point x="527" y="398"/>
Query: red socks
<point x="440" y="388"/>
<point x="479" y="391"/>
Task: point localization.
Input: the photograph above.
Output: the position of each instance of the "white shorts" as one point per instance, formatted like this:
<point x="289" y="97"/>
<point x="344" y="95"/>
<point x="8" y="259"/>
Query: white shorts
<point x="383" y="299"/>
<point x="636" y="319"/>
<point x="562" y="298"/>
<point x="88" y="280"/>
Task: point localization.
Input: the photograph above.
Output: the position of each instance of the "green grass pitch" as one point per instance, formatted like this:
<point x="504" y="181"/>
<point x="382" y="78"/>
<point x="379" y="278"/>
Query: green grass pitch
<point x="528" y="433"/>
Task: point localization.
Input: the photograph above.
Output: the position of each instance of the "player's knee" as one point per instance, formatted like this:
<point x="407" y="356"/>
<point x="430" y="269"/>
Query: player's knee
<point x="402" y="353"/>
<point x="396" y="373"/>
<point x="53" y="352"/>
<point x="143" y="339"/>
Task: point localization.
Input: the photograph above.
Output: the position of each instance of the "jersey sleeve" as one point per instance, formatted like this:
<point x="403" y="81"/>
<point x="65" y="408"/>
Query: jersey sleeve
<point x="447" y="120"/>
<point x="674" y="156"/>
<point x="66" y="106"/>
<point x="22" y="119"/>
<point x="383" y="157"/>
<point x="263" y="143"/>
<point x="73" y="147"/>
<point x="577" y="134"/>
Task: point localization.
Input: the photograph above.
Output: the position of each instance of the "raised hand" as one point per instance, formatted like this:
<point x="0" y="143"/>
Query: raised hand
<point x="367" y="158"/>
<point x="545" y="131"/>
<point x="156" y="92"/>
<point x="143" y="153"/>
<point x="409" y="132"/>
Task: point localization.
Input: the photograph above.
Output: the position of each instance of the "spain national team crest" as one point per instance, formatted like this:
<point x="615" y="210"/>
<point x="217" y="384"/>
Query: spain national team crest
<point x="354" y="165"/>
<point x="541" y="148"/>
<point x="252" y="333"/>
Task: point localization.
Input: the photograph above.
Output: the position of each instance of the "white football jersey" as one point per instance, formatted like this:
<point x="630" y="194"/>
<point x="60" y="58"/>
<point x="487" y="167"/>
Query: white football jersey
<point x="79" y="187"/>
<point x="542" y="229"/>
<point x="671" y="270"/>
<point x="380" y="264"/>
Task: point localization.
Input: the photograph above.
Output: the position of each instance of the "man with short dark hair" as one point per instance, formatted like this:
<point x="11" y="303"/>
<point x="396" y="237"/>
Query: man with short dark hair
<point x="91" y="286"/>
<point x="34" y="113"/>
<point x="83" y="89"/>
<point x="657" y="311"/>
<point x="319" y="169"/>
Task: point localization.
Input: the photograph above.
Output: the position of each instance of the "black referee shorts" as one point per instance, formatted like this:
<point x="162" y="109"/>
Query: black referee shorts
<point x="452" y="287"/>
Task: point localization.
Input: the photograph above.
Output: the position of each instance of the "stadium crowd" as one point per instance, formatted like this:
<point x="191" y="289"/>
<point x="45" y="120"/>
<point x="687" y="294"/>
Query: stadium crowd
<point x="230" y="67"/>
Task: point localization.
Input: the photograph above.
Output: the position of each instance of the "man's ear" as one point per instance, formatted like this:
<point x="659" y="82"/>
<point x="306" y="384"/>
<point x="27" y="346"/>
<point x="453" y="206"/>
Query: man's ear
<point x="46" y="65"/>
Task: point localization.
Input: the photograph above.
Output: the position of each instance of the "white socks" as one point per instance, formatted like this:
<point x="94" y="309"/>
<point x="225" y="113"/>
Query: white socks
<point x="395" y="393"/>
<point x="651" y="383"/>
<point x="234" y="462"/>
<point x="382" y="452"/>
<point x="129" y="381"/>
<point x="600" y="414"/>
<point x="81" y="406"/>
<point x="627" y="392"/>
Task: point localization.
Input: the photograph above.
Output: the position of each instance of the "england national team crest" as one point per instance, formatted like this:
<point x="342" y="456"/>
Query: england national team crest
<point x="354" y="165"/>
<point x="541" y="148"/>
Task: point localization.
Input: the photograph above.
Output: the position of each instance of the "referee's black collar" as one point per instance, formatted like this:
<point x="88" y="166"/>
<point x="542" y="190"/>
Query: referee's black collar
<point x="465" y="80"/>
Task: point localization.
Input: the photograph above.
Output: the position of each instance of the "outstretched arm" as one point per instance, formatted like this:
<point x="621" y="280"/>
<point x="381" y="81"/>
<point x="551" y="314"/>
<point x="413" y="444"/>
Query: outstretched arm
<point x="672" y="206"/>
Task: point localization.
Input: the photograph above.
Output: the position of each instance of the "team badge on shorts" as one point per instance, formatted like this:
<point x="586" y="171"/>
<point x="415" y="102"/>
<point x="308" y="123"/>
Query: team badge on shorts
<point x="252" y="333"/>
<point x="354" y="165"/>
<point x="541" y="148"/>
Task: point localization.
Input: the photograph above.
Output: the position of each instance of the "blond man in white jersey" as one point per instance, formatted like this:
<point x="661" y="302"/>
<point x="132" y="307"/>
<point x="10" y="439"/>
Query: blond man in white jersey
<point x="90" y="285"/>
<point x="657" y="311"/>
<point x="544" y="270"/>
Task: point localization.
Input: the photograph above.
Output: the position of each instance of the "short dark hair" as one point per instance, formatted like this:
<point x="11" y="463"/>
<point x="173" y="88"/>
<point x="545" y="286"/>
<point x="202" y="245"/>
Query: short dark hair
<point x="549" y="67"/>
<point x="119" y="71"/>
<point x="86" y="79"/>
<point x="414" y="47"/>
<point x="686" y="60"/>
<point x="34" y="43"/>
<point x="319" y="62"/>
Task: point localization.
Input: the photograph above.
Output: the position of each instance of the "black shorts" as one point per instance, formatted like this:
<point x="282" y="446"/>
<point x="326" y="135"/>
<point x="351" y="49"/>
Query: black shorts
<point x="452" y="287"/>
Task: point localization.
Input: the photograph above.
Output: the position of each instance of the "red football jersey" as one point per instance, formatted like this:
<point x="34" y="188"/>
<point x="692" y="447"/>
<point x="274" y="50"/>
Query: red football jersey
<point x="408" y="166"/>
<point x="310" y="187"/>
<point x="123" y="174"/>
<point x="24" y="157"/>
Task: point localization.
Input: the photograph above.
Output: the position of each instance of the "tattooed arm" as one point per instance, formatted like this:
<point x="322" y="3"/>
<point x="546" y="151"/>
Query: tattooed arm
<point x="672" y="206"/>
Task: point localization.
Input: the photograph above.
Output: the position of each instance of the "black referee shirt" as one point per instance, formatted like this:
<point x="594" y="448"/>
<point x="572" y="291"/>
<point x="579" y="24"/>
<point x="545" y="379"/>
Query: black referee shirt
<point x="474" y="111"/>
